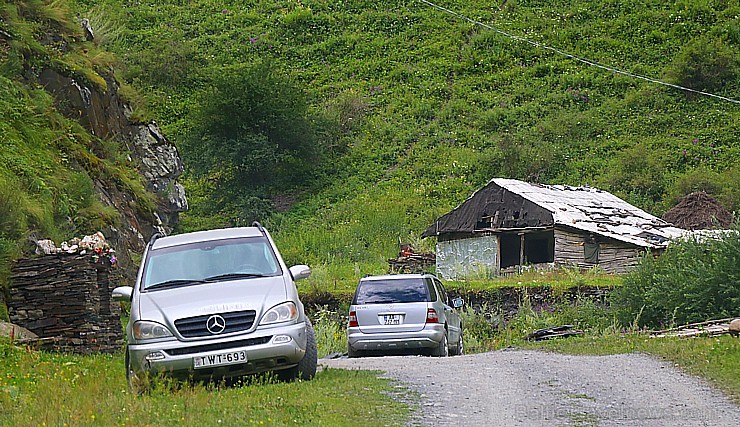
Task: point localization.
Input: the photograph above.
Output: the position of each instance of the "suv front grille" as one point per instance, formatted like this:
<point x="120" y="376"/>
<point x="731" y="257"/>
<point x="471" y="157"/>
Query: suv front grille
<point x="217" y="346"/>
<point x="236" y="321"/>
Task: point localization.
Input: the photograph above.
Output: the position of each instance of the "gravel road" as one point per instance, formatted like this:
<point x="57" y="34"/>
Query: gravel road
<point x="531" y="388"/>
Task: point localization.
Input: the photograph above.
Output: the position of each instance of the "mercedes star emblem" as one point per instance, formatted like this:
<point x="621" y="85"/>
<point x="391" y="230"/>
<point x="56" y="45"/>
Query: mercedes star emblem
<point x="216" y="324"/>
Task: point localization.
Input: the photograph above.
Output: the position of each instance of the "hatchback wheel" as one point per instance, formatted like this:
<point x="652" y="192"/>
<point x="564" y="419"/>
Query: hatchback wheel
<point x="442" y="350"/>
<point x="459" y="349"/>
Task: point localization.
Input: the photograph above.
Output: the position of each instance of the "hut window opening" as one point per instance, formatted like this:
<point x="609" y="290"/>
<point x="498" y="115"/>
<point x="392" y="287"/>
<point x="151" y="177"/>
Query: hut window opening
<point x="539" y="248"/>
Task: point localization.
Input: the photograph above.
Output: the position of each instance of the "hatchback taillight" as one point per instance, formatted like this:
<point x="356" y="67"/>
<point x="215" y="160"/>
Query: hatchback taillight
<point x="432" y="316"/>
<point x="353" y="319"/>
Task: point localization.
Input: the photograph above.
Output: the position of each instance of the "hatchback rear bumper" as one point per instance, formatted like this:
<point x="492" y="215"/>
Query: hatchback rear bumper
<point x="429" y="337"/>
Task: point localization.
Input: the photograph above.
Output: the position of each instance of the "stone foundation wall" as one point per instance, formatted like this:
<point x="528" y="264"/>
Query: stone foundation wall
<point x="65" y="299"/>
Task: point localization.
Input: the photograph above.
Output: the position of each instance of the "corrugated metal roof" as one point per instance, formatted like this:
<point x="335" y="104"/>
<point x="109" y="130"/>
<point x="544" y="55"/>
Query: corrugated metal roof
<point x="595" y="211"/>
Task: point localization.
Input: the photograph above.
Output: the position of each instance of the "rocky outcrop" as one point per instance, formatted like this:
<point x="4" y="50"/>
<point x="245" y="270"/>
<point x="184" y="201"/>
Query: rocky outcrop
<point x="104" y="113"/>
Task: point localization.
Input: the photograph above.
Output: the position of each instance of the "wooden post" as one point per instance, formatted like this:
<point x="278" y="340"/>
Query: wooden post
<point x="521" y="249"/>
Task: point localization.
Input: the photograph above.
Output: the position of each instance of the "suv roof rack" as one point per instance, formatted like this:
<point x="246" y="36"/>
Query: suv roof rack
<point x="154" y="237"/>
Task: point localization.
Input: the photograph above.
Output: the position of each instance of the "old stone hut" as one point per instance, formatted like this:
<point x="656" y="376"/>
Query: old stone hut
<point x="509" y="224"/>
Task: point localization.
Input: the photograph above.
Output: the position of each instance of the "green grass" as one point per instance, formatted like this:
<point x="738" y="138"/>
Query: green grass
<point x="416" y="109"/>
<point x="559" y="280"/>
<point x="44" y="389"/>
<point x="716" y="359"/>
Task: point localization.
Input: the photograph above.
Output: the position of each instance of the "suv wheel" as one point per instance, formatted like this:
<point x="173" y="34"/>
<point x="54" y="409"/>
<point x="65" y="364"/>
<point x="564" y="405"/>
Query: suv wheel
<point x="136" y="383"/>
<point x="306" y="368"/>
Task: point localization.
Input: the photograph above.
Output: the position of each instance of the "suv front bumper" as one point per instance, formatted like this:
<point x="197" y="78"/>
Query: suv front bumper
<point x="266" y="349"/>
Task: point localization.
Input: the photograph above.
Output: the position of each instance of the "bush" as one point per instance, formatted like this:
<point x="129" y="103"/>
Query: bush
<point x="480" y="327"/>
<point x="704" y="65"/>
<point x="694" y="280"/>
<point x="331" y="335"/>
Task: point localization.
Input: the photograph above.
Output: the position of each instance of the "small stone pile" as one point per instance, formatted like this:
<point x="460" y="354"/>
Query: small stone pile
<point x="64" y="296"/>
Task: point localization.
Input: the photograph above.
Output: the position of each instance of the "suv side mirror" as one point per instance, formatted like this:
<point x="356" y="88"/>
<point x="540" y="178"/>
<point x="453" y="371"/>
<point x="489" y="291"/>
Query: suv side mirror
<point x="122" y="293"/>
<point x="457" y="302"/>
<point x="300" y="272"/>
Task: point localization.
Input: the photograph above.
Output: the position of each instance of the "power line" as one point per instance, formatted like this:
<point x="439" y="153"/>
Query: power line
<point x="574" y="57"/>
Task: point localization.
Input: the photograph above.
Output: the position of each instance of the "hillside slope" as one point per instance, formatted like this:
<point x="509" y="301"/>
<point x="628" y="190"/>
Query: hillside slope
<point x="411" y="108"/>
<point x="72" y="159"/>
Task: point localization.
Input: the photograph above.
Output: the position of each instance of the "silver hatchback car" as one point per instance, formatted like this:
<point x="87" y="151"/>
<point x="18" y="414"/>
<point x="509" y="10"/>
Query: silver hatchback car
<point x="404" y="312"/>
<point x="216" y="304"/>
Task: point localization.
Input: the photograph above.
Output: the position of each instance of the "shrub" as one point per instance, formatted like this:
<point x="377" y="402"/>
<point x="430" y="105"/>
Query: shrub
<point x="694" y="280"/>
<point x="480" y="327"/>
<point x="704" y="65"/>
<point x="329" y="328"/>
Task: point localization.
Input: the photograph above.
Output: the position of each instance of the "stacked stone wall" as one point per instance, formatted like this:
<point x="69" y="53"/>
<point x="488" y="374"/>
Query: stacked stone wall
<point x="65" y="299"/>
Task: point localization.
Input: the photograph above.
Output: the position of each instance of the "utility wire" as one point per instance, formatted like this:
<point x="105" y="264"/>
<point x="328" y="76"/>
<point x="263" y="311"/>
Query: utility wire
<point x="569" y="55"/>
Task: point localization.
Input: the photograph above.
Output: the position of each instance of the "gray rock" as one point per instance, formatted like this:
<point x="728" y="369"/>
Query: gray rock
<point x="18" y="332"/>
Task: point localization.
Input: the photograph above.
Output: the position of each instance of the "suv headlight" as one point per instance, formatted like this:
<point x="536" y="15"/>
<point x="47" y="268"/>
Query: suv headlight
<point x="280" y="313"/>
<point x="145" y="330"/>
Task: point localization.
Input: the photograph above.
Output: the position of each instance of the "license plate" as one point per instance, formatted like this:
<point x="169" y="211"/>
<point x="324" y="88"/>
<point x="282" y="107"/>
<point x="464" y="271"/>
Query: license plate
<point x="391" y="319"/>
<point x="220" y="359"/>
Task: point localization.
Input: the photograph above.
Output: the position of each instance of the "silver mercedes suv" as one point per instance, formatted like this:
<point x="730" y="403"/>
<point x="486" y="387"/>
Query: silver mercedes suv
<point x="216" y="304"/>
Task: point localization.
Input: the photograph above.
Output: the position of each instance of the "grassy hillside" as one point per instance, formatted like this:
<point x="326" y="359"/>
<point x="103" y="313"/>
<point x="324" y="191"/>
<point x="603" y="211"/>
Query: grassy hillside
<point x="49" y="163"/>
<point x="405" y="110"/>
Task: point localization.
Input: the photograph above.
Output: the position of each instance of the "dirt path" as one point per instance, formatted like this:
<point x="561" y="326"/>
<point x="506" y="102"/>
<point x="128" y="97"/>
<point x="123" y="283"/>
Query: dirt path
<point x="530" y="388"/>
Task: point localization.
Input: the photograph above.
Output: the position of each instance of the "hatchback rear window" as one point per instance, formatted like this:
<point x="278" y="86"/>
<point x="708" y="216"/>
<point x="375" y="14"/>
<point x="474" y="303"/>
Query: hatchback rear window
<point x="391" y="291"/>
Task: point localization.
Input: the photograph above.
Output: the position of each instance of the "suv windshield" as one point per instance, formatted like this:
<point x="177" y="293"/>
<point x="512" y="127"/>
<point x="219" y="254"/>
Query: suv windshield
<point x="391" y="291"/>
<point x="201" y="262"/>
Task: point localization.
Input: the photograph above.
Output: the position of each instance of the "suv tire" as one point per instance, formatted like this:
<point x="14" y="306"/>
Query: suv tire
<point x="137" y="384"/>
<point x="459" y="350"/>
<point x="306" y="368"/>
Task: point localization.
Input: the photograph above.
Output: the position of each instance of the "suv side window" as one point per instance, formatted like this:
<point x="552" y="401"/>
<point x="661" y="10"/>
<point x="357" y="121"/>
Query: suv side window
<point x="432" y="291"/>
<point x="442" y="291"/>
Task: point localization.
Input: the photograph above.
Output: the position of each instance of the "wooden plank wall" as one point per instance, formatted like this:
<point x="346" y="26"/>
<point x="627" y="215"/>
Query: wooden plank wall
<point x="614" y="257"/>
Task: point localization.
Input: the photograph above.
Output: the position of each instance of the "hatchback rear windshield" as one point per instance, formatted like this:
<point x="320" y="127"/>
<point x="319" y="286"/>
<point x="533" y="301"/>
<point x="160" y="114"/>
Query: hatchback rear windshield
<point x="391" y="291"/>
<point x="201" y="261"/>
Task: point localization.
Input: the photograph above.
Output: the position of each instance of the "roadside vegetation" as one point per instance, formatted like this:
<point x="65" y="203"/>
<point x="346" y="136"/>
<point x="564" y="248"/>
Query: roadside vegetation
<point x="694" y="280"/>
<point x="43" y="389"/>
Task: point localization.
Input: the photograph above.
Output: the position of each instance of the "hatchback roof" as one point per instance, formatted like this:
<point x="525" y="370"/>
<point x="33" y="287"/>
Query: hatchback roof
<point x="202" y="236"/>
<point x="396" y="277"/>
